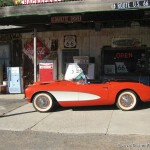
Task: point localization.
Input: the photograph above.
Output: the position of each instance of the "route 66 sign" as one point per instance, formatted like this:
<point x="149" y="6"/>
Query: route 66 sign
<point x="70" y="41"/>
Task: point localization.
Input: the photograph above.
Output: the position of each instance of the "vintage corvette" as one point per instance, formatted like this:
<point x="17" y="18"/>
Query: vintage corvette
<point x="125" y="94"/>
<point x="76" y="90"/>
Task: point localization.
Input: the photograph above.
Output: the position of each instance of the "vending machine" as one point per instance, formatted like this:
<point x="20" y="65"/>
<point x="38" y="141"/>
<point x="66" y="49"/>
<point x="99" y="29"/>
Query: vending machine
<point x="15" y="82"/>
<point x="48" y="70"/>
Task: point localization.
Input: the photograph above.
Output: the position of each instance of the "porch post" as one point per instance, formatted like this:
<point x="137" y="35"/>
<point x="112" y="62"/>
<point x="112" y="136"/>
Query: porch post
<point x="35" y="62"/>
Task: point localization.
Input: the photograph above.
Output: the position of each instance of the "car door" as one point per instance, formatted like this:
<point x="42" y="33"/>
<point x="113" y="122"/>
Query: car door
<point x="93" y="94"/>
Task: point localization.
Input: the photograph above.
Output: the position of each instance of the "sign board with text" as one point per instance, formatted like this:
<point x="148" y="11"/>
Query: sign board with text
<point x="132" y="4"/>
<point x="124" y="61"/>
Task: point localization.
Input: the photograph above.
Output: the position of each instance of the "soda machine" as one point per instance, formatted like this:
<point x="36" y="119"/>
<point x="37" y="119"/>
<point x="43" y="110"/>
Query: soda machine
<point x="15" y="82"/>
<point x="48" y="70"/>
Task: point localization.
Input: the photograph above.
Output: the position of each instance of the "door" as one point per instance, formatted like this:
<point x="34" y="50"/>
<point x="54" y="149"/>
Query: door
<point x="67" y="57"/>
<point x="4" y="59"/>
<point x="93" y="94"/>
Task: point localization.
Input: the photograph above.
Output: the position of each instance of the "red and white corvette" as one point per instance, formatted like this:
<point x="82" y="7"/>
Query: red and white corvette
<point x="125" y="94"/>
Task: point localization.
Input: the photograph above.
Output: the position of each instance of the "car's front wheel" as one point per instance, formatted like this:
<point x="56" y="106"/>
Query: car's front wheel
<point x="43" y="102"/>
<point x="127" y="100"/>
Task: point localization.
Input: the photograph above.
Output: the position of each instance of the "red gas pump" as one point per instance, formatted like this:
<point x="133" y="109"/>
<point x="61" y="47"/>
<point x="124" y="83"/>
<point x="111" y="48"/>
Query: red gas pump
<point x="46" y="72"/>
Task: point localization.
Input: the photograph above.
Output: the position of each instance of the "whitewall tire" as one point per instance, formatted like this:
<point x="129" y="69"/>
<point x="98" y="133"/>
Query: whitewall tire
<point x="127" y="100"/>
<point x="43" y="102"/>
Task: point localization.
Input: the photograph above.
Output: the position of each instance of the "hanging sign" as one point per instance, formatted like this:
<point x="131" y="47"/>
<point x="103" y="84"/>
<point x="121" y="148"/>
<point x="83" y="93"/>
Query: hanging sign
<point x="126" y="42"/>
<point x="131" y="5"/>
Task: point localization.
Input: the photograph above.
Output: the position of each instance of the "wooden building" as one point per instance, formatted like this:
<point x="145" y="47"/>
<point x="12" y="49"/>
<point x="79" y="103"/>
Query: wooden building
<point x="67" y="28"/>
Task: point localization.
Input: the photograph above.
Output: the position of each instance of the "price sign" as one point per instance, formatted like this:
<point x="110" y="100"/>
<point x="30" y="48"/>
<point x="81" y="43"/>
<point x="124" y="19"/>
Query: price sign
<point x="121" y="67"/>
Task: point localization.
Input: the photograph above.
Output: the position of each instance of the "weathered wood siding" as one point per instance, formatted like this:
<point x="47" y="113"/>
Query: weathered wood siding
<point x="90" y="42"/>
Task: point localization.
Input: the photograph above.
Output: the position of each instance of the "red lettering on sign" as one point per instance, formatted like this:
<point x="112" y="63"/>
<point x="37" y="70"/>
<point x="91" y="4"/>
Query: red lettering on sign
<point x="124" y="55"/>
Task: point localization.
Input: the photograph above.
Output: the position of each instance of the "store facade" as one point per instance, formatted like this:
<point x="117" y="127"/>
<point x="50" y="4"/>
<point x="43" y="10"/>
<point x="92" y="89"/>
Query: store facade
<point x="62" y="38"/>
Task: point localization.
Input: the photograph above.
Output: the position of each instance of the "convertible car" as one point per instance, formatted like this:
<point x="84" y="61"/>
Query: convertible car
<point x="76" y="90"/>
<point x="125" y="94"/>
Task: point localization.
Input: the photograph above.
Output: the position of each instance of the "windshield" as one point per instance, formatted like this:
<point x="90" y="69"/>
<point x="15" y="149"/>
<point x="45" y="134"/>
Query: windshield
<point x="74" y="73"/>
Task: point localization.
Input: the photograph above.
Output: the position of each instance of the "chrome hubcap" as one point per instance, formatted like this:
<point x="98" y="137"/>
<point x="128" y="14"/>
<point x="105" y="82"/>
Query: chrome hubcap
<point x="42" y="102"/>
<point x="126" y="100"/>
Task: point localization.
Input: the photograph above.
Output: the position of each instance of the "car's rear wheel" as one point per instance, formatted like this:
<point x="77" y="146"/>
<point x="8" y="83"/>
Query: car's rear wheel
<point x="43" y="102"/>
<point x="127" y="100"/>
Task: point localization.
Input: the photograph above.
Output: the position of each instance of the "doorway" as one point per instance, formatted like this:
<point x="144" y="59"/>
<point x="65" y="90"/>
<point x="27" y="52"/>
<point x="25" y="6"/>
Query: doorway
<point x="4" y="59"/>
<point x="67" y="57"/>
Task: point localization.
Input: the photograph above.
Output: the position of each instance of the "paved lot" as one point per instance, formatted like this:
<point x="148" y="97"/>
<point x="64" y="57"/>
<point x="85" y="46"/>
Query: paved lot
<point x="9" y="102"/>
<point x="105" y="120"/>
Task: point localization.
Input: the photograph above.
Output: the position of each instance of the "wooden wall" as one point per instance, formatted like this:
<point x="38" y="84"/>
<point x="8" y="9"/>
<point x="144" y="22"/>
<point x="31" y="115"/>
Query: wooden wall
<point x="90" y="42"/>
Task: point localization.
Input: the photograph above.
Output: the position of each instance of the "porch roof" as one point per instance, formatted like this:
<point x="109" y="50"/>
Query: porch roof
<point x="89" y="10"/>
<point x="72" y="6"/>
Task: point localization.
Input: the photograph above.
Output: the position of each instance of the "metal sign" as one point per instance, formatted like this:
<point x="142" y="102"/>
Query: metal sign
<point x="70" y="41"/>
<point x="66" y="19"/>
<point x="132" y="5"/>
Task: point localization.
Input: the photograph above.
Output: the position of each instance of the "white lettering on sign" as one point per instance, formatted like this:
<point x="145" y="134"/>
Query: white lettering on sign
<point x="46" y="65"/>
<point x="135" y="4"/>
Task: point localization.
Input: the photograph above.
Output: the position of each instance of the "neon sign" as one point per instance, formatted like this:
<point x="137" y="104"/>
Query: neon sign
<point x="125" y="55"/>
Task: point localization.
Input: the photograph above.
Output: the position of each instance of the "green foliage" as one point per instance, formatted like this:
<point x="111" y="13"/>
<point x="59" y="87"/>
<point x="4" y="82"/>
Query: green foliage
<point x="6" y="3"/>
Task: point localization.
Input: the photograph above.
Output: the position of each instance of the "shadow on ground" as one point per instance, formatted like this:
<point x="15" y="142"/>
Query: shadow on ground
<point x="141" y="106"/>
<point x="16" y="114"/>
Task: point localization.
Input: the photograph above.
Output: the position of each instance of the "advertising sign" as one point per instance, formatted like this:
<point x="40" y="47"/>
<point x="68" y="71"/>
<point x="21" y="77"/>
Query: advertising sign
<point x="46" y="71"/>
<point x="42" y="50"/>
